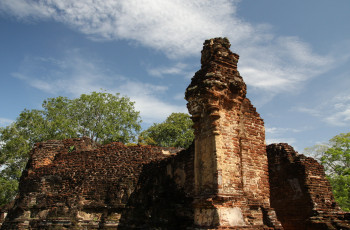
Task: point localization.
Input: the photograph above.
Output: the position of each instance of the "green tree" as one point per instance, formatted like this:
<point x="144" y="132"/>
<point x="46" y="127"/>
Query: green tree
<point x="335" y="157"/>
<point x="102" y="116"/>
<point x="316" y="151"/>
<point x="105" y="117"/>
<point x="175" y="131"/>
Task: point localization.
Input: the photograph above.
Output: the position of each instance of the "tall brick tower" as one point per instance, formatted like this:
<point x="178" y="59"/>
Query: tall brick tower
<point x="231" y="168"/>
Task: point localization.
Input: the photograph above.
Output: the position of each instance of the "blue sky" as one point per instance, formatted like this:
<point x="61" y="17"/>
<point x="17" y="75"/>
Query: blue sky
<point x="294" y="57"/>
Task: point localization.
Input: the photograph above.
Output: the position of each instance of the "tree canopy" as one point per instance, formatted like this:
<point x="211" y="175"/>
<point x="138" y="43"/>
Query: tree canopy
<point x="175" y="131"/>
<point x="102" y="116"/>
<point x="335" y="157"/>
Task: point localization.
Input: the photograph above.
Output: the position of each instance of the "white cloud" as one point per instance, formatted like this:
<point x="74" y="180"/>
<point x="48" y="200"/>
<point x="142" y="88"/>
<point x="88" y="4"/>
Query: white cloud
<point x="277" y="130"/>
<point x="154" y="110"/>
<point x="75" y="74"/>
<point x="335" y="111"/>
<point x="290" y="141"/>
<point x="277" y="135"/>
<point x="5" y="121"/>
<point x="179" y="27"/>
<point x="281" y="64"/>
<point x="177" y="69"/>
<point x="179" y="96"/>
<point x="147" y="100"/>
<point x="72" y="74"/>
<point x="316" y="112"/>
<point x="339" y="117"/>
<point x="23" y="9"/>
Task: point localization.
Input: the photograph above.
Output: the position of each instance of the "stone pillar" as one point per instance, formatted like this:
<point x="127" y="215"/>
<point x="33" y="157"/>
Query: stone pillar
<point x="231" y="170"/>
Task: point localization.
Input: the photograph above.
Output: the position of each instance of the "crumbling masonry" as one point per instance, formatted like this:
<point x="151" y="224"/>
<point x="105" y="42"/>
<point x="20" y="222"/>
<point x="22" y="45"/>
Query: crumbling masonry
<point x="231" y="169"/>
<point x="228" y="178"/>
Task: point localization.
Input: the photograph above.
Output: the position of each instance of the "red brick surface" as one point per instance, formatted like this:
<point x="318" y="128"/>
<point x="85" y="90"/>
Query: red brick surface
<point x="231" y="169"/>
<point x="88" y="185"/>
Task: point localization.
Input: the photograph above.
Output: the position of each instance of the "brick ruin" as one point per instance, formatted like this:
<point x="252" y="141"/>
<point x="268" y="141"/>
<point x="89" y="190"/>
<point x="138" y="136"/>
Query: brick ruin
<point x="300" y="193"/>
<point x="75" y="183"/>
<point x="227" y="179"/>
<point x="231" y="169"/>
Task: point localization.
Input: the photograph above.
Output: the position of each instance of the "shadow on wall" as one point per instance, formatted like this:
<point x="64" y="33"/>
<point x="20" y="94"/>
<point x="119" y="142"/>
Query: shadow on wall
<point x="300" y="192"/>
<point x="163" y="196"/>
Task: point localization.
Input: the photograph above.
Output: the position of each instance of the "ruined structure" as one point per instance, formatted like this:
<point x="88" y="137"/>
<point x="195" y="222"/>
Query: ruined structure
<point x="300" y="192"/>
<point x="231" y="169"/>
<point x="75" y="183"/>
<point x="226" y="180"/>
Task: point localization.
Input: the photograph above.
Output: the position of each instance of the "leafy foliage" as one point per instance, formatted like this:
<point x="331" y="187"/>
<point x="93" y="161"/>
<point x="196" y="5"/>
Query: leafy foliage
<point x="316" y="151"/>
<point x="105" y="117"/>
<point x="336" y="160"/>
<point x="102" y="116"/>
<point x="175" y="131"/>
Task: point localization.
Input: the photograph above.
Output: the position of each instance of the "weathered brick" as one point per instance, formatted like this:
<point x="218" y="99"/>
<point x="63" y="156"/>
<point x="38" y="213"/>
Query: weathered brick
<point x="226" y="154"/>
<point x="300" y="192"/>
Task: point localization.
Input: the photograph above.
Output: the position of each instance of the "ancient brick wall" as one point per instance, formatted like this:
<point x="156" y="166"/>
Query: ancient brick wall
<point x="163" y="196"/>
<point x="84" y="186"/>
<point x="231" y="169"/>
<point x="300" y="193"/>
<point x="44" y="153"/>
